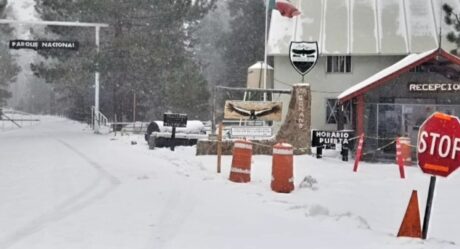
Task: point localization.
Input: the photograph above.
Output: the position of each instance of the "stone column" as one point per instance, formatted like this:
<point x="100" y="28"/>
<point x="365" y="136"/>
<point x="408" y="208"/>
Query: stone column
<point x="297" y="125"/>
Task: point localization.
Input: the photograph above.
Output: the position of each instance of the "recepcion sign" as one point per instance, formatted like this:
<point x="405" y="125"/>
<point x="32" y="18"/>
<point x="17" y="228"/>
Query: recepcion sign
<point x="433" y="87"/>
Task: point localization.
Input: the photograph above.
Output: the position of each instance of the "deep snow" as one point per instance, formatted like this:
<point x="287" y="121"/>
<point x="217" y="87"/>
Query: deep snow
<point x="61" y="186"/>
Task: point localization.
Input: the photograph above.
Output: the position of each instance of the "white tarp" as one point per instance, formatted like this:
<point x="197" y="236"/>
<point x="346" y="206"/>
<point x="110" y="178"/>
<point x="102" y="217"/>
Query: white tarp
<point x="363" y="27"/>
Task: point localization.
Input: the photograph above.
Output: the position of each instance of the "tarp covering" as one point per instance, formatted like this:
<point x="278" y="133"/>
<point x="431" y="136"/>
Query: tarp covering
<point x="363" y="27"/>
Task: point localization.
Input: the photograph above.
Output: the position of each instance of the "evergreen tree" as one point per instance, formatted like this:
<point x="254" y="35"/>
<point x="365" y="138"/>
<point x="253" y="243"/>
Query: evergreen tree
<point x="208" y="49"/>
<point x="144" y="52"/>
<point x="244" y="44"/>
<point x="8" y="67"/>
<point x="452" y="18"/>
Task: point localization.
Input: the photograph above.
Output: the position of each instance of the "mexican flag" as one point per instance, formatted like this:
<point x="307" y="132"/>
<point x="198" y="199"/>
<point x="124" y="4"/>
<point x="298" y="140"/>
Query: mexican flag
<point x="285" y="7"/>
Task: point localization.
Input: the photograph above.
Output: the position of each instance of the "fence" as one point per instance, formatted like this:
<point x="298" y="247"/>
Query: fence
<point x="11" y="119"/>
<point x="384" y="122"/>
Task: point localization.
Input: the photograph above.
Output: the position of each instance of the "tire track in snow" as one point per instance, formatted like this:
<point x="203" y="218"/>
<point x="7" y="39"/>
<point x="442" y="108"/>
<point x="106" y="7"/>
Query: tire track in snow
<point x="97" y="190"/>
<point x="113" y="180"/>
<point x="176" y="211"/>
<point x="179" y="204"/>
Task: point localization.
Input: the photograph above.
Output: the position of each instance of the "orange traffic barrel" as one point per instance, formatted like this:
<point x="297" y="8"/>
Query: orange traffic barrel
<point x="406" y="150"/>
<point x="241" y="161"/>
<point x="282" y="168"/>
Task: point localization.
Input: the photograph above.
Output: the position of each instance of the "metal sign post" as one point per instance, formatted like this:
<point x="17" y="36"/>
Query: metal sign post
<point x="429" y="204"/>
<point x="174" y="120"/>
<point x="97" y="27"/>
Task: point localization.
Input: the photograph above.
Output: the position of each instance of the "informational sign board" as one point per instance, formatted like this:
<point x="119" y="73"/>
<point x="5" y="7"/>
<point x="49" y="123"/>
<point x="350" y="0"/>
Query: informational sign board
<point x="251" y="131"/>
<point x="434" y="87"/>
<point x="438" y="147"/>
<point x="175" y="120"/>
<point x="326" y="138"/>
<point x="303" y="56"/>
<point x="253" y="110"/>
<point x="36" y="45"/>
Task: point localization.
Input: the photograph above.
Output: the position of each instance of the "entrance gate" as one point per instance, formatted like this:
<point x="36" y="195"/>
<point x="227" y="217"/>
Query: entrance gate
<point x="96" y="122"/>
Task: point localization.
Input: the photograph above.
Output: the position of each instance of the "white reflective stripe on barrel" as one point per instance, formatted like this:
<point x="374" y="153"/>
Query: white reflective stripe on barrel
<point x="241" y="171"/>
<point x="287" y="151"/>
<point x="404" y="141"/>
<point x="243" y="146"/>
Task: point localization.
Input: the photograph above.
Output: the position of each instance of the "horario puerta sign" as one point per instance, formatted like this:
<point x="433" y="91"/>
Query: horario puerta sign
<point x="439" y="145"/>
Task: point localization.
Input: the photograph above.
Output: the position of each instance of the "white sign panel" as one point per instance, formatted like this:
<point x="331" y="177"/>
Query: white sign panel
<point x="251" y="131"/>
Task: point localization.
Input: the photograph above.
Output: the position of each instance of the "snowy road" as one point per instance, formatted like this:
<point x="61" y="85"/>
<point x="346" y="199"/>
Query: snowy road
<point x="63" y="187"/>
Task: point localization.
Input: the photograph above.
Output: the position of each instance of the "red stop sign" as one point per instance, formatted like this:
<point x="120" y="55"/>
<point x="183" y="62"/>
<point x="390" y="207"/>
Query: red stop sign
<point x="438" y="146"/>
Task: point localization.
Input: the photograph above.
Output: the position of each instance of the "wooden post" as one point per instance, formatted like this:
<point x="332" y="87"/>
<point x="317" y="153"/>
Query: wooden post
<point x="219" y="148"/>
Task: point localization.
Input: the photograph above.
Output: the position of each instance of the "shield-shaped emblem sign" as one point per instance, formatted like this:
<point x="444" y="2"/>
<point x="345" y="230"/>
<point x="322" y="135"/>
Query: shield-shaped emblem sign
<point x="303" y="56"/>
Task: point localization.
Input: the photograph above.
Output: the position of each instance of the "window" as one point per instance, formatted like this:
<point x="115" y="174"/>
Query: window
<point x="332" y="116"/>
<point x="417" y="69"/>
<point x="338" y="64"/>
<point x="331" y="111"/>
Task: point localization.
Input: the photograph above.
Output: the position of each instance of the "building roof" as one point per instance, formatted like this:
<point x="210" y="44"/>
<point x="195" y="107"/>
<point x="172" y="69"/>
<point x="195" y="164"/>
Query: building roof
<point x="363" y="27"/>
<point x="405" y="65"/>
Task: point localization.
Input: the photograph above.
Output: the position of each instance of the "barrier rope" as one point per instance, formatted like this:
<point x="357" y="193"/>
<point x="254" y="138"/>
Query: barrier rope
<point x="263" y="145"/>
<point x="351" y="139"/>
<point x="271" y="146"/>
<point x="380" y="148"/>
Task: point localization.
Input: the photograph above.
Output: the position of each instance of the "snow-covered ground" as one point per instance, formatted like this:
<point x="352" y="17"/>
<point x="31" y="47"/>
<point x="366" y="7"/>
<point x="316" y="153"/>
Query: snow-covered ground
<point x="61" y="186"/>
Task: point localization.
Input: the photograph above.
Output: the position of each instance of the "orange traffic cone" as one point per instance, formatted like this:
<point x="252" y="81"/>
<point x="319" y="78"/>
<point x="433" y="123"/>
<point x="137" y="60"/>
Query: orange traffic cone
<point x="410" y="226"/>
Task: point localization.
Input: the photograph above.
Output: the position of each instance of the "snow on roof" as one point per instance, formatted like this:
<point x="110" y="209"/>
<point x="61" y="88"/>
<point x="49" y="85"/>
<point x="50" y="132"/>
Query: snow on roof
<point x="260" y="65"/>
<point x="407" y="61"/>
<point x="363" y="27"/>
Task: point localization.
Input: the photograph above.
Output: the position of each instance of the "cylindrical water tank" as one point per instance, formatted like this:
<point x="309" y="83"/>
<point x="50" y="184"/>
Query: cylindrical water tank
<point x="256" y="76"/>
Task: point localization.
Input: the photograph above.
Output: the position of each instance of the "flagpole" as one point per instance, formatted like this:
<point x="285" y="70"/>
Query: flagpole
<point x="265" y="49"/>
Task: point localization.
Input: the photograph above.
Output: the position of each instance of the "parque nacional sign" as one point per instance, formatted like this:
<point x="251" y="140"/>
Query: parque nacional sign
<point x="36" y="45"/>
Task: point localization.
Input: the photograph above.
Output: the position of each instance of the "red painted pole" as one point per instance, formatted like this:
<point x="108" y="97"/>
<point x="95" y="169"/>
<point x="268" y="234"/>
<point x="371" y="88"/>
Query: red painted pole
<point x="360" y="109"/>
<point x="359" y="152"/>
<point x="399" y="159"/>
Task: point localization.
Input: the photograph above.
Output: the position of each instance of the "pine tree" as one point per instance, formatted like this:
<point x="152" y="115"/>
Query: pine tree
<point x="452" y="18"/>
<point x="143" y="52"/>
<point x="244" y="44"/>
<point x="8" y="66"/>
